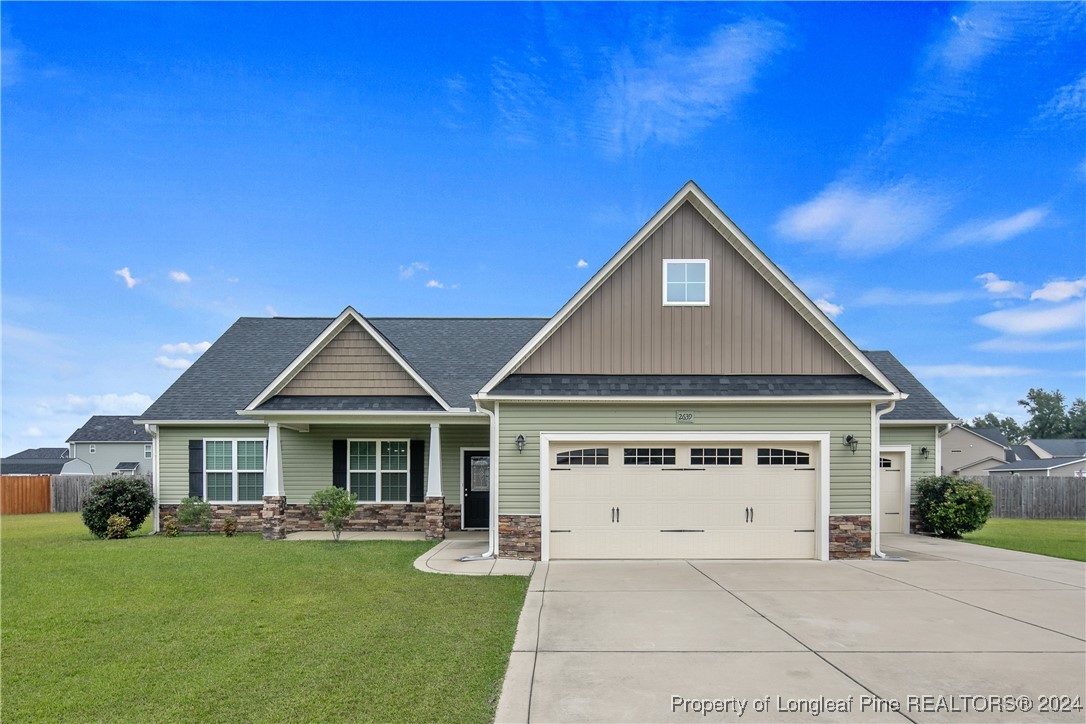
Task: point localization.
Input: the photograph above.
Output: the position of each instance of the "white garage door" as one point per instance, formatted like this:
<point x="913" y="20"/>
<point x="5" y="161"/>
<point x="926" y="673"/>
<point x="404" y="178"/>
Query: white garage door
<point x="696" y="500"/>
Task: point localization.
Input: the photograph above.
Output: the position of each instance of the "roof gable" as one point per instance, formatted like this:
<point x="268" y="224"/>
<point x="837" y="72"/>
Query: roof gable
<point x="920" y="405"/>
<point x="349" y="358"/>
<point x="617" y="323"/>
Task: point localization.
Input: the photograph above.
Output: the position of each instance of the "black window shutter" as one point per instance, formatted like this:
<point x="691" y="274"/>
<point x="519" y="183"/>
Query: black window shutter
<point x="418" y="470"/>
<point x="339" y="463"/>
<point x="196" y="469"/>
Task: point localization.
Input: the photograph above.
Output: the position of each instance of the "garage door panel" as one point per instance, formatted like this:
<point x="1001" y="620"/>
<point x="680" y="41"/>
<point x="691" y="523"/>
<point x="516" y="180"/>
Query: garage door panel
<point x="737" y="510"/>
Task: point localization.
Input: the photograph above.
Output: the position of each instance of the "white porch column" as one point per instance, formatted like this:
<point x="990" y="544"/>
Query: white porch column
<point x="273" y="466"/>
<point x="433" y="473"/>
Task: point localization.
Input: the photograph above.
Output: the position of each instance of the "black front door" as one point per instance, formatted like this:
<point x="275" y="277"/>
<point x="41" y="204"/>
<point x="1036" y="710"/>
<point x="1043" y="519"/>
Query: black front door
<point x="476" y="489"/>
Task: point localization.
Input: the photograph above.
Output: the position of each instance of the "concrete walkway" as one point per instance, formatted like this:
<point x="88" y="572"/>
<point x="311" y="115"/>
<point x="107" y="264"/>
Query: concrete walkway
<point x="617" y="641"/>
<point x="445" y="558"/>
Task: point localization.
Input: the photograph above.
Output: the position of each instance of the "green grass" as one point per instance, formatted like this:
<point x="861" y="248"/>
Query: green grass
<point x="207" y="628"/>
<point x="1058" y="538"/>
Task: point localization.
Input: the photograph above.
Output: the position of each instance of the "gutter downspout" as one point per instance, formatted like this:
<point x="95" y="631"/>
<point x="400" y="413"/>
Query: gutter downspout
<point x="492" y="538"/>
<point x="876" y="503"/>
<point x="152" y="430"/>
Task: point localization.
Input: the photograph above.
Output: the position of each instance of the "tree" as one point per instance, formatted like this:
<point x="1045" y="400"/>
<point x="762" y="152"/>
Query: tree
<point x="1008" y="426"/>
<point x="1047" y="416"/>
<point x="1076" y="419"/>
<point x="335" y="506"/>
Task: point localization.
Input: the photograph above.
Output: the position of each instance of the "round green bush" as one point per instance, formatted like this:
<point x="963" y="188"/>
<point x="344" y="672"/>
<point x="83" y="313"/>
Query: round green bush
<point x="950" y="506"/>
<point x="127" y="496"/>
<point x="118" y="526"/>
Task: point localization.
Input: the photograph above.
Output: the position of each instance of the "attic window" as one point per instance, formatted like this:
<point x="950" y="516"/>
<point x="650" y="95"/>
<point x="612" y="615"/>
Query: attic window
<point x="686" y="282"/>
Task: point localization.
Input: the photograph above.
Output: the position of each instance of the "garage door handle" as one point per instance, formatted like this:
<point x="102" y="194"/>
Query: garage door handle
<point x="618" y="515"/>
<point x="612" y="515"/>
<point x="752" y="514"/>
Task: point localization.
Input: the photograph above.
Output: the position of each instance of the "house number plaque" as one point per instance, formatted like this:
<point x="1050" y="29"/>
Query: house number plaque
<point x="684" y="416"/>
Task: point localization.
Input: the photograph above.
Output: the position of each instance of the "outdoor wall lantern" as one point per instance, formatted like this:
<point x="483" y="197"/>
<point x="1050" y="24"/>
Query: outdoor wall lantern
<point x="924" y="453"/>
<point x="851" y="442"/>
<point x="520" y="443"/>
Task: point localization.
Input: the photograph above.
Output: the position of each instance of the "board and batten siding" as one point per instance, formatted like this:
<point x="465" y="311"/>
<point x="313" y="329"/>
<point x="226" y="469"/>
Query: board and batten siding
<point x="915" y="437"/>
<point x="352" y="363"/>
<point x="623" y="327"/>
<point x="173" y="454"/>
<point x="850" y="473"/>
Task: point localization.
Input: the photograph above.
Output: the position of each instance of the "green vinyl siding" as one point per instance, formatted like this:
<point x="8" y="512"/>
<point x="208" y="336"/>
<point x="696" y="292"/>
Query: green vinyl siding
<point x="916" y="437"/>
<point x="850" y="473"/>
<point x="453" y="438"/>
<point x="307" y="456"/>
<point x="173" y="454"/>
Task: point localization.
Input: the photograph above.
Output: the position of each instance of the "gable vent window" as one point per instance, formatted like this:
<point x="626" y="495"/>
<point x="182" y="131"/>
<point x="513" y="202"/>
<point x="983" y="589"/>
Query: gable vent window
<point x="686" y="282"/>
<point x="648" y="456"/>
<point x="716" y="456"/>
<point x="777" y="456"/>
<point x="589" y="456"/>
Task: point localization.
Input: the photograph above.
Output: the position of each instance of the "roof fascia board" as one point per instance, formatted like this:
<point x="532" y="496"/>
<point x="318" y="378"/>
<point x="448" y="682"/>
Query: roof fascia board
<point x="338" y="324"/>
<point x="892" y="423"/>
<point x="367" y="417"/>
<point x="652" y="399"/>
<point x="691" y="192"/>
<point x="202" y="423"/>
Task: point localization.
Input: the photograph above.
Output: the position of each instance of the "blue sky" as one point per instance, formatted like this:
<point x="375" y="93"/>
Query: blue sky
<point x="918" y="169"/>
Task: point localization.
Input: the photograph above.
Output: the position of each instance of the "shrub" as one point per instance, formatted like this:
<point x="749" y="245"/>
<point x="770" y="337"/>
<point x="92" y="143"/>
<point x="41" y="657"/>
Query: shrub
<point x="335" y="506"/>
<point x="229" y="527"/>
<point x="122" y="495"/>
<point x="118" y="526"/>
<point x="170" y="527"/>
<point x="195" y="513"/>
<point x="950" y="506"/>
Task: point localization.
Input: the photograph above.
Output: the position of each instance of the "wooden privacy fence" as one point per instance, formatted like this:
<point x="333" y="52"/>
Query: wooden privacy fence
<point x="1036" y="496"/>
<point x="24" y="494"/>
<point x="68" y="492"/>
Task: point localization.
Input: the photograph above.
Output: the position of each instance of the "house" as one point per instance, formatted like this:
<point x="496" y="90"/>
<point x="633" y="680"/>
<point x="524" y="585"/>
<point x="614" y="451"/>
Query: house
<point x="110" y="445"/>
<point x="1047" y="457"/>
<point x="689" y="401"/>
<point x="35" y="461"/>
<point x="967" y="451"/>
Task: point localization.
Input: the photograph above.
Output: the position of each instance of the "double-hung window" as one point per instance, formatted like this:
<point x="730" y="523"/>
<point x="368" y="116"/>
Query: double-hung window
<point x="686" y="282"/>
<point x="378" y="470"/>
<point x="234" y="471"/>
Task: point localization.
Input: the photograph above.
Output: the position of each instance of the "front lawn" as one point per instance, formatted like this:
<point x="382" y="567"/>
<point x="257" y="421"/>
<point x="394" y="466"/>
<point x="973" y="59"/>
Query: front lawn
<point x="208" y="628"/>
<point x="1059" y="538"/>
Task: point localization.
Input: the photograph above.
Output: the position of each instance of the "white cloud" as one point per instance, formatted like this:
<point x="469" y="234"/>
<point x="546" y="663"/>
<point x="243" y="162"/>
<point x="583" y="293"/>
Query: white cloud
<point x="1069" y="102"/>
<point x="1060" y="290"/>
<point x="186" y="348"/>
<point x="882" y="296"/>
<point x="1035" y="320"/>
<point x="971" y="370"/>
<point x="172" y="363"/>
<point x="406" y="272"/>
<point x="862" y="221"/>
<point x="129" y="280"/>
<point x="1019" y="345"/>
<point x="270" y="311"/>
<point x="232" y="280"/>
<point x="33" y="431"/>
<point x="832" y="310"/>
<point x="180" y="277"/>
<point x="678" y="91"/>
<point x="581" y="263"/>
<point x="993" y="231"/>
<point x="132" y="403"/>
<point x="1001" y="287"/>
<point x="434" y="284"/>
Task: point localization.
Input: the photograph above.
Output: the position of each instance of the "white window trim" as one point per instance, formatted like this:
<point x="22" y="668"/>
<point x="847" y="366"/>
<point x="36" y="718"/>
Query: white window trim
<point x="707" y="283"/>
<point x="234" y="467"/>
<point x="379" y="470"/>
<point x="148" y="451"/>
<point x="91" y="449"/>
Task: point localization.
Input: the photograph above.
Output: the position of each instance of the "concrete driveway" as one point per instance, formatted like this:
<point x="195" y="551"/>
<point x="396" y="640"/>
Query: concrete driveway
<point x="969" y="628"/>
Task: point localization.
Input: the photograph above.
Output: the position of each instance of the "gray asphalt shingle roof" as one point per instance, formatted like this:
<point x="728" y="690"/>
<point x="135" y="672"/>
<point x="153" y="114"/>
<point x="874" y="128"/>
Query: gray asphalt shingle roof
<point x="992" y="433"/>
<point x="921" y="404"/>
<point x="1024" y="452"/>
<point x="35" y="461"/>
<point x="1040" y="464"/>
<point x="1062" y="448"/>
<point x="110" y="428"/>
<point x="415" y="403"/>
<point x="685" y="385"/>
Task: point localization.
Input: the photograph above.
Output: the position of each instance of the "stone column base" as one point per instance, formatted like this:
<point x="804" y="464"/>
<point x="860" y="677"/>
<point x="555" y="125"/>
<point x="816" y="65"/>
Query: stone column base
<point x="435" y="517"/>
<point x="274" y="515"/>
<point x="520" y="536"/>
<point x="850" y="537"/>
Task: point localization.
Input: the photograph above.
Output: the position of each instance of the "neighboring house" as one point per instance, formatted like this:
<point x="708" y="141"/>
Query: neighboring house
<point x="1057" y="448"/>
<point x="688" y="402"/>
<point x="110" y="445"/>
<point x="1060" y="467"/>
<point x="35" y="461"/>
<point x="967" y="451"/>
